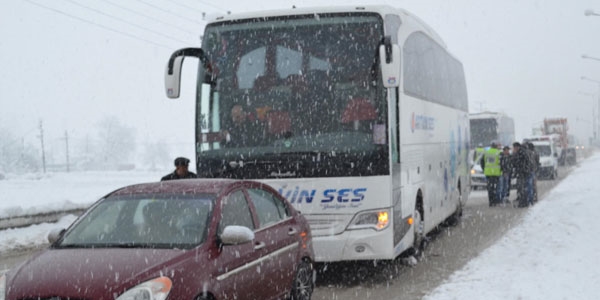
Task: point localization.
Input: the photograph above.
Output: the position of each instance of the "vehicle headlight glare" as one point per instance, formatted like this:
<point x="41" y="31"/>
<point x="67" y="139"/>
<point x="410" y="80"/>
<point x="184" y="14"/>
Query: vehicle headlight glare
<point x="155" y="289"/>
<point x="377" y="219"/>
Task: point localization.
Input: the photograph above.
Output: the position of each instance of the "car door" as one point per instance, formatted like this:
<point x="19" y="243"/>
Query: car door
<point x="278" y="235"/>
<point x="238" y="265"/>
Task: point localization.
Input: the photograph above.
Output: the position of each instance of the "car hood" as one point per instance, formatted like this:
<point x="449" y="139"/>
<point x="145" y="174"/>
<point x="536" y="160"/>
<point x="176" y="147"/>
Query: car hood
<point x="90" y="273"/>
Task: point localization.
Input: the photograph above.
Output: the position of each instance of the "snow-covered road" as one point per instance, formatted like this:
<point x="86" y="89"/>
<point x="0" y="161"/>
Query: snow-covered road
<point x="545" y="252"/>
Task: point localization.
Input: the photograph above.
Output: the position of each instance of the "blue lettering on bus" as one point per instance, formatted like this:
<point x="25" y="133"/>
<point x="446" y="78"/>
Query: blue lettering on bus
<point x="359" y="193"/>
<point x="329" y="194"/>
<point x="296" y="195"/>
<point x="343" y="195"/>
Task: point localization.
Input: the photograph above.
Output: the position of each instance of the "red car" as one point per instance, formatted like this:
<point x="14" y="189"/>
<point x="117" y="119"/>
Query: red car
<point x="182" y="239"/>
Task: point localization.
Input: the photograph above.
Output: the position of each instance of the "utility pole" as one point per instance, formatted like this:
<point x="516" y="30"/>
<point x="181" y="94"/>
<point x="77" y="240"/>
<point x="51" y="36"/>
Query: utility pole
<point x="43" y="152"/>
<point x="67" y="149"/>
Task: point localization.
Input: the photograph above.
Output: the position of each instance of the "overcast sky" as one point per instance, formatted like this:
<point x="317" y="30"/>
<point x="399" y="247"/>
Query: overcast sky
<point x="72" y="62"/>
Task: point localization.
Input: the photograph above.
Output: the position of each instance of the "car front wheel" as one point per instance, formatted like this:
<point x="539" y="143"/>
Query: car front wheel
<point x="303" y="284"/>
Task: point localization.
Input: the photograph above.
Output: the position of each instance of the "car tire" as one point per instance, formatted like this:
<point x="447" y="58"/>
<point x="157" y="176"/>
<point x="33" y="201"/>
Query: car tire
<point x="303" y="284"/>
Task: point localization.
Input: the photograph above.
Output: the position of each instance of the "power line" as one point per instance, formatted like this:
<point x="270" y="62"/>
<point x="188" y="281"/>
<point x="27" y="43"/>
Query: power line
<point x="126" y="22"/>
<point x="100" y="25"/>
<point x="168" y="12"/>
<point x="193" y="8"/>
<point x="149" y="17"/>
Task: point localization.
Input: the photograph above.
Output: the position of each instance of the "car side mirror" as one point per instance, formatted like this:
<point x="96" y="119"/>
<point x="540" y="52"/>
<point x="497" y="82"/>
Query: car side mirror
<point x="235" y="235"/>
<point x="55" y="234"/>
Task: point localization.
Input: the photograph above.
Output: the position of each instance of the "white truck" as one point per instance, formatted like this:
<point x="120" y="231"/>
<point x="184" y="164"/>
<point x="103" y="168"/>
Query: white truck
<point x="547" y="146"/>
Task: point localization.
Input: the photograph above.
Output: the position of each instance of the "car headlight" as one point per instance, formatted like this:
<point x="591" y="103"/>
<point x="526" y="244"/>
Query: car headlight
<point x="375" y="219"/>
<point x="2" y="287"/>
<point x="155" y="289"/>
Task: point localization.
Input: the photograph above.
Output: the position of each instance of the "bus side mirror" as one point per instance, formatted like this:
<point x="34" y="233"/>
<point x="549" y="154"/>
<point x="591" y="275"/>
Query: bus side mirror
<point x="389" y="56"/>
<point x="173" y="70"/>
<point x="173" y="80"/>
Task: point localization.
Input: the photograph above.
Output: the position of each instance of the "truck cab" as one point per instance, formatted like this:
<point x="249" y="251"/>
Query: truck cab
<point x="549" y="157"/>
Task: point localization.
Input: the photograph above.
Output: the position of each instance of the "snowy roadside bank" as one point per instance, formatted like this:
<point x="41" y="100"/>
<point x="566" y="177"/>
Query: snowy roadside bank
<point x="552" y="254"/>
<point x="38" y="194"/>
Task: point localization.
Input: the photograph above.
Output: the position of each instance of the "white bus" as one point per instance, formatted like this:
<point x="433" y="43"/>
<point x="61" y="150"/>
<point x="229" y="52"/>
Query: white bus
<point x="357" y="115"/>
<point x="488" y="127"/>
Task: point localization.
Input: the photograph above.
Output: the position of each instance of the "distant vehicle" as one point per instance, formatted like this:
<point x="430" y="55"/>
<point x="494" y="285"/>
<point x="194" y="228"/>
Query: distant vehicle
<point x="488" y="127"/>
<point x="547" y="146"/>
<point x="560" y="127"/>
<point x="359" y="117"/>
<point x="574" y="150"/>
<point x="182" y="239"/>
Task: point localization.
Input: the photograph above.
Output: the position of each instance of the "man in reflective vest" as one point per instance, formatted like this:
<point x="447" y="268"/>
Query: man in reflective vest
<point x="490" y="163"/>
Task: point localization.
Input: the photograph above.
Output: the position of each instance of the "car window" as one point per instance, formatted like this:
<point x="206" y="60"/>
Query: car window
<point x="235" y="211"/>
<point x="268" y="207"/>
<point x="157" y="221"/>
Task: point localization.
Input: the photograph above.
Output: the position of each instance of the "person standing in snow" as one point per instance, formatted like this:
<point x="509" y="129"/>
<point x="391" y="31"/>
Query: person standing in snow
<point x="522" y="170"/>
<point x="532" y="181"/>
<point x="506" y="166"/>
<point x="181" y="170"/>
<point x="490" y="163"/>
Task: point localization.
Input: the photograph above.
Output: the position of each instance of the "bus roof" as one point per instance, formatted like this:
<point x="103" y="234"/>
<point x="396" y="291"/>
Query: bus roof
<point x="380" y="9"/>
<point x="487" y="115"/>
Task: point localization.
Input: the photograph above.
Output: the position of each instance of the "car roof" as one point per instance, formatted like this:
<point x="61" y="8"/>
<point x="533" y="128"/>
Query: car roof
<point x="182" y="186"/>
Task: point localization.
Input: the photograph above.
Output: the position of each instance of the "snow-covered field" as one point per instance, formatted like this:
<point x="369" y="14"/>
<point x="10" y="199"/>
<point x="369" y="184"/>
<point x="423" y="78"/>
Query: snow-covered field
<point x="39" y="193"/>
<point x="553" y="254"/>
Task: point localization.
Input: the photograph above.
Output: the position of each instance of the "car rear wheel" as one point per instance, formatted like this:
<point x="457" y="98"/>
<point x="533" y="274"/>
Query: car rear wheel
<point x="303" y="284"/>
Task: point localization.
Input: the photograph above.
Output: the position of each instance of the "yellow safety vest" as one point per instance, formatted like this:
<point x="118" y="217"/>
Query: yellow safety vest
<point x="492" y="163"/>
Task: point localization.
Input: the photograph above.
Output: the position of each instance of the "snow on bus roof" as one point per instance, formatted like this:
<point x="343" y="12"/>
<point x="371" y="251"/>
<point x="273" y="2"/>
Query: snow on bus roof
<point x="380" y="9"/>
<point x="487" y="115"/>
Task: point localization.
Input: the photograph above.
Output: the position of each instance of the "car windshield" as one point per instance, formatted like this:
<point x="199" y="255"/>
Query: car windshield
<point x="143" y="221"/>
<point x="543" y="150"/>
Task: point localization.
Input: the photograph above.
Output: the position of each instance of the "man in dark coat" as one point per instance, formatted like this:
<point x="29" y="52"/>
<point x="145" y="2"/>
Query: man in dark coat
<point x="532" y="183"/>
<point x="522" y="165"/>
<point x="506" y="166"/>
<point x="181" y="170"/>
<point x="244" y="131"/>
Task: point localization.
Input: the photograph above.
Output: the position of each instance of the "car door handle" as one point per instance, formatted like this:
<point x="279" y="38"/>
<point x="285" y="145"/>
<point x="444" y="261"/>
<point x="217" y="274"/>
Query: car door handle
<point x="292" y="231"/>
<point x="259" y="246"/>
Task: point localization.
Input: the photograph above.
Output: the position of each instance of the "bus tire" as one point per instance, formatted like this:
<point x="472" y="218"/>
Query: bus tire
<point x="454" y="218"/>
<point x="418" y="228"/>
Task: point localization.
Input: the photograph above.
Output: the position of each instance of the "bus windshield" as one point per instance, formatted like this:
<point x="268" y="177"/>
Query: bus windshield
<point x="483" y="132"/>
<point x="292" y="96"/>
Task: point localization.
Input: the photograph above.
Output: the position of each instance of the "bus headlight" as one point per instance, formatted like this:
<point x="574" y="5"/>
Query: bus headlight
<point x="373" y="219"/>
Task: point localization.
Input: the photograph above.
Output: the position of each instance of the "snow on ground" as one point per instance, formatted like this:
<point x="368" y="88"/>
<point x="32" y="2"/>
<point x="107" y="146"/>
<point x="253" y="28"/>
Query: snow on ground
<point x="39" y="193"/>
<point x="32" y="236"/>
<point x="553" y="254"/>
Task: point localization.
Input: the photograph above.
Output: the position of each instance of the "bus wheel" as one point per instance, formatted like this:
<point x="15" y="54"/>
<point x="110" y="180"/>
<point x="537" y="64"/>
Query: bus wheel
<point x="419" y="237"/>
<point x="454" y="218"/>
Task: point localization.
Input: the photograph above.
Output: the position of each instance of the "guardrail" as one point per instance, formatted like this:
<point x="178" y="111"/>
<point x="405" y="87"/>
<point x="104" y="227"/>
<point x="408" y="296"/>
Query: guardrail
<point x="26" y="220"/>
